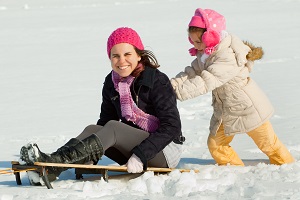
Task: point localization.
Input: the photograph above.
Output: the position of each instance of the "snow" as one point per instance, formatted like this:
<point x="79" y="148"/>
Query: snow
<point x="53" y="63"/>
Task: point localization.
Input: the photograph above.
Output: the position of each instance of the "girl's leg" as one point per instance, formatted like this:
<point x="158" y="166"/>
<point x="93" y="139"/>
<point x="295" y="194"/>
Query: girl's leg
<point x="220" y="149"/>
<point x="267" y="141"/>
<point x="118" y="139"/>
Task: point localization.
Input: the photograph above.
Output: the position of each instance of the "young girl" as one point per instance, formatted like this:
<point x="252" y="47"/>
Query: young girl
<point x="222" y="66"/>
<point x="139" y="124"/>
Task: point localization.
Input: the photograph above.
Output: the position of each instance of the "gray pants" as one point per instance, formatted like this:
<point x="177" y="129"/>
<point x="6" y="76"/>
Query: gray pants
<point x="118" y="139"/>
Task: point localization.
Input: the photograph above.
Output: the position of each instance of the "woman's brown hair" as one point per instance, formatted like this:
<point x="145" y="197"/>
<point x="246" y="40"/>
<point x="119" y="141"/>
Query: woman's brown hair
<point x="147" y="59"/>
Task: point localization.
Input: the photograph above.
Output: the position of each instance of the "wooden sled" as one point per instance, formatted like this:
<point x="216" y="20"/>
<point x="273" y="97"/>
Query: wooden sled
<point x="80" y="169"/>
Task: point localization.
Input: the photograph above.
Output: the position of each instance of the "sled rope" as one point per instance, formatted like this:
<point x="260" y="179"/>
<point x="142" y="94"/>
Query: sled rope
<point x="11" y="171"/>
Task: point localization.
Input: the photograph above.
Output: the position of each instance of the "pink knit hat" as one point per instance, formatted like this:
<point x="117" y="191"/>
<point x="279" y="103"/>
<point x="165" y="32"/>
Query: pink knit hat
<point x="124" y="35"/>
<point x="214" y="24"/>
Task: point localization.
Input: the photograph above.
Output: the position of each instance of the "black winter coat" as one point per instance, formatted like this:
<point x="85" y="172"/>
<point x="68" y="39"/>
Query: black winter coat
<point x="153" y="93"/>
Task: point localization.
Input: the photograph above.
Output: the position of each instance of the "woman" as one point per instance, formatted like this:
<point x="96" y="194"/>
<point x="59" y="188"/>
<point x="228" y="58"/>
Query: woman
<point x="139" y="122"/>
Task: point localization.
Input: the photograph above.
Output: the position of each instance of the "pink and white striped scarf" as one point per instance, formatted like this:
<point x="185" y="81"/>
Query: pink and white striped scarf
<point x="129" y="109"/>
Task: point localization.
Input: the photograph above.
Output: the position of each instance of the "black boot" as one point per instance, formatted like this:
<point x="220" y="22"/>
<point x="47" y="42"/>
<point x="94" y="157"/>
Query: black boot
<point x="55" y="172"/>
<point x="84" y="151"/>
<point x="30" y="152"/>
<point x="71" y="143"/>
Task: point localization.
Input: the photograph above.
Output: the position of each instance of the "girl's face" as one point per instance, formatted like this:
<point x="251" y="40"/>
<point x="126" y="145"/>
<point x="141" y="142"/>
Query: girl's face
<point x="124" y="59"/>
<point x="196" y="39"/>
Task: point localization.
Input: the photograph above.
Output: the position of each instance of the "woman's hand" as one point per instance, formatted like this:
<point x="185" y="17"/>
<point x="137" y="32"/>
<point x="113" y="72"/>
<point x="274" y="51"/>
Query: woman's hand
<point x="134" y="164"/>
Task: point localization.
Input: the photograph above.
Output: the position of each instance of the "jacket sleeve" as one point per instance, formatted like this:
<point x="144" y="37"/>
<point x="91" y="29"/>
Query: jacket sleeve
<point x="222" y="69"/>
<point x="188" y="73"/>
<point x="108" y="111"/>
<point x="163" y="99"/>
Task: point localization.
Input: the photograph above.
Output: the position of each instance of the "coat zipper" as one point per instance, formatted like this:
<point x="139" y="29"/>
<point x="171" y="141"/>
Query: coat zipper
<point x="136" y="94"/>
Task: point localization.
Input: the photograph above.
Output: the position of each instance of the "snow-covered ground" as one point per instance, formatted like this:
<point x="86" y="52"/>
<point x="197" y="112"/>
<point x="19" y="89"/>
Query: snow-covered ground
<point x="53" y="62"/>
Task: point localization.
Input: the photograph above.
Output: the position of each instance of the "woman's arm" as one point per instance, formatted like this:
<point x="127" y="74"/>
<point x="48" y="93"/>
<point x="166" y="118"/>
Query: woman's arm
<point x="108" y="110"/>
<point x="163" y="99"/>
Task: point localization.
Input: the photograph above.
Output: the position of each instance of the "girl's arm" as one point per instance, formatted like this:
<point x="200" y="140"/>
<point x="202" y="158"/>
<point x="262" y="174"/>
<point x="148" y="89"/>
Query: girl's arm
<point x="222" y="69"/>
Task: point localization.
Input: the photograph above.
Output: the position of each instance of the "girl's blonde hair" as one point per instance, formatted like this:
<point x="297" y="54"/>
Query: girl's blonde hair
<point x="193" y="29"/>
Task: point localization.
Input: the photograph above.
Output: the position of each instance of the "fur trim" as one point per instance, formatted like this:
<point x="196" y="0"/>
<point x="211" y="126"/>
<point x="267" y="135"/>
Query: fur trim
<point x="256" y="53"/>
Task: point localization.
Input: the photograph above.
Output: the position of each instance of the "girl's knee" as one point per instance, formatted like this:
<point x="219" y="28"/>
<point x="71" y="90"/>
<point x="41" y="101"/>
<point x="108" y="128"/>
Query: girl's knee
<point x="214" y="142"/>
<point x="211" y="143"/>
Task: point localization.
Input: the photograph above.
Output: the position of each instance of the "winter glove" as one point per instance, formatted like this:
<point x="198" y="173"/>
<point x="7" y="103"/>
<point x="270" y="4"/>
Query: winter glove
<point x="134" y="164"/>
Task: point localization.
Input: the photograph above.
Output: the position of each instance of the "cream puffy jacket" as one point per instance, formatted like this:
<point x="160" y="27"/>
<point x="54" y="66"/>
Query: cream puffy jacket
<point x="237" y="100"/>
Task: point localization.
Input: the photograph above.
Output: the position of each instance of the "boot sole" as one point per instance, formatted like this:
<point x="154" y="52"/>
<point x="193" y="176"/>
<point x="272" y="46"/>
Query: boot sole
<point x="26" y="156"/>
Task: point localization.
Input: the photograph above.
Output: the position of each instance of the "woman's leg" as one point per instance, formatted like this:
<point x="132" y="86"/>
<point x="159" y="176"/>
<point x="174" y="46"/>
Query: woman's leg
<point x="220" y="149"/>
<point x="112" y="153"/>
<point x="158" y="161"/>
<point x="115" y="138"/>
<point x="88" y="131"/>
<point x="118" y="139"/>
<point x="267" y="141"/>
<point x="75" y="151"/>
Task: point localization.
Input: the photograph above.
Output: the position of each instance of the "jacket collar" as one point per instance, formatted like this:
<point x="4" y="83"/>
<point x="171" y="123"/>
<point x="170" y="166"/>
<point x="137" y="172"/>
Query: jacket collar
<point x="147" y="77"/>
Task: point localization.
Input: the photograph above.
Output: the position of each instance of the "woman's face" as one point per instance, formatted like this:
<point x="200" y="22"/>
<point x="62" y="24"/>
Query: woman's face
<point x="124" y="59"/>
<point x="196" y="39"/>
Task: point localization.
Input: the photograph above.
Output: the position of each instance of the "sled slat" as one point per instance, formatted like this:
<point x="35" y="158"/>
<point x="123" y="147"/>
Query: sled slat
<point x="109" y="167"/>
